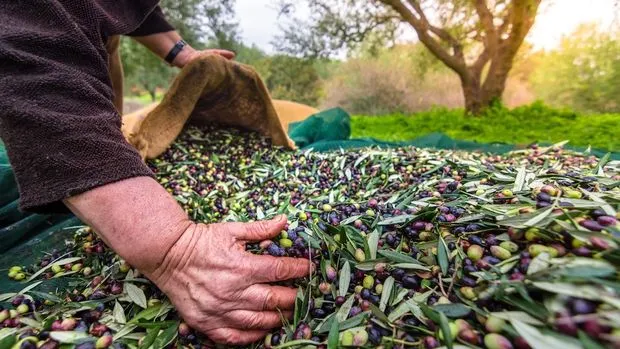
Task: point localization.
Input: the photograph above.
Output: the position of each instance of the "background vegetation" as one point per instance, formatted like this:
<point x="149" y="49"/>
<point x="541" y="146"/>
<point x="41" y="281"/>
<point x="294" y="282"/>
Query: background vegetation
<point x="403" y="90"/>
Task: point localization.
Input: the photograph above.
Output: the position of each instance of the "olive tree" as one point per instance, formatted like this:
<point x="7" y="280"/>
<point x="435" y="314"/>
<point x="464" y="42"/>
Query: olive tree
<point x="477" y="39"/>
<point x="200" y="22"/>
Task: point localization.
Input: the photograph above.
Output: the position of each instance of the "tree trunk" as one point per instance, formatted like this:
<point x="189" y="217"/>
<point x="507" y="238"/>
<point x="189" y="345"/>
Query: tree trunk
<point x="472" y="91"/>
<point x="478" y="94"/>
<point x="153" y="94"/>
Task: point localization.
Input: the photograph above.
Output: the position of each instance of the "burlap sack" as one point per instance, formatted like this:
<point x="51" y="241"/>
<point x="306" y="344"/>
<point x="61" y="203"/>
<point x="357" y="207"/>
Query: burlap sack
<point x="211" y="89"/>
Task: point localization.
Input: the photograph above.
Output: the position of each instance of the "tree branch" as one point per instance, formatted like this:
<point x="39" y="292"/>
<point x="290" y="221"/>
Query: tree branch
<point x="522" y="17"/>
<point x="422" y="27"/>
<point x="441" y="33"/>
<point x="486" y="18"/>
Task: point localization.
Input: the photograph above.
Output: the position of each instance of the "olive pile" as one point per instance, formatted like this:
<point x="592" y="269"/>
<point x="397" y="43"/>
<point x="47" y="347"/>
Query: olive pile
<point x="413" y="248"/>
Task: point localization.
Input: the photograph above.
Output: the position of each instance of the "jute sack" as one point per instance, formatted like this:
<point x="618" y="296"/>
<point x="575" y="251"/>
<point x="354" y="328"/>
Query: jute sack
<point x="210" y="89"/>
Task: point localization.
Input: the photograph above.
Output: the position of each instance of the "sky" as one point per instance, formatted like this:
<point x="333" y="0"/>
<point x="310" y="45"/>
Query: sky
<point x="258" y="20"/>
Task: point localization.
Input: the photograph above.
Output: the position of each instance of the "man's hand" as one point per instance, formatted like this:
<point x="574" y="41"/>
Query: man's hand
<point x="188" y="54"/>
<point x="216" y="285"/>
<point x="219" y="288"/>
<point x="161" y="43"/>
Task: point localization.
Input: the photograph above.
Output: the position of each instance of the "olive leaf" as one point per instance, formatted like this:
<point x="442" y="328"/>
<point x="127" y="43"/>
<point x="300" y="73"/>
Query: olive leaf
<point x="397" y="220"/>
<point x="7" y="340"/>
<point x="136" y="294"/>
<point x="350" y="220"/>
<point x="398" y="257"/>
<point x="149" y="339"/>
<point x="454" y="310"/>
<point x="411" y="266"/>
<point x="345" y="279"/>
<point x="58" y="261"/>
<point x="70" y="337"/>
<point x="442" y="255"/>
<point x="7" y="296"/>
<point x="388" y="284"/>
<point x="539" y="263"/>
<point x="326" y="324"/>
<point x="31" y="322"/>
<point x="517" y="315"/>
<point x="538" y="340"/>
<point x="357" y="320"/>
<point x="519" y="180"/>
<point x="300" y="306"/>
<point x="378" y="313"/>
<point x="126" y="330"/>
<point x="539" y="219"/>
<point x="119" y="313"/>
<point x="345" y="308"/>
<point x="166" y="337"/>
<point x="298" y="343"/>
<point x="472" y="218"/>
<point x="583" y="267"/>
<point x="373" y="244"/>
<point x="333" y="337"/>
<point x="445" y="329"/>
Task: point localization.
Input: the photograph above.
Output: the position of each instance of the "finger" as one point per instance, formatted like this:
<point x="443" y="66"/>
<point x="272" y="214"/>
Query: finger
<point x="256" y="320"/>
<point x="231" y="336"/>
<point x="268" y="298"/>
<point x="225" y="53"/>
<point x="268" y="269"/>
<point x="260" y="230"/>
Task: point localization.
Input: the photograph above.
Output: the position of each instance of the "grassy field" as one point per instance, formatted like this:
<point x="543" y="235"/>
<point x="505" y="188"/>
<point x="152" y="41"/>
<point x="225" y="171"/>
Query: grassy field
<point x="523" y="125"/>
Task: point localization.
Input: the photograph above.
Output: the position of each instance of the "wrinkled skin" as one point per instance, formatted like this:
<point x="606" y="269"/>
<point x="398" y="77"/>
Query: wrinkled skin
<point x="218" y="288"/>
<point x="225" y="296"/>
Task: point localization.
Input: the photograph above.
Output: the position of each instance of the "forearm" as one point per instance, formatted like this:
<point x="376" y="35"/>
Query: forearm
<point x="161" y="44"/>
<point x="136" y="217"/>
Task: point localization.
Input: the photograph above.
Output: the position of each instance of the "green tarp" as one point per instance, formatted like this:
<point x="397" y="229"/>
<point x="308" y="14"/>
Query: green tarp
<point x="21" y="234"/>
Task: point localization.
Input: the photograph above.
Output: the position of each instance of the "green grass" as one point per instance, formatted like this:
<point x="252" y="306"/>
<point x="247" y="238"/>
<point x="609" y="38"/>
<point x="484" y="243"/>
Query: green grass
<point x="144" y="98"/>
<point x="523" y="125"/>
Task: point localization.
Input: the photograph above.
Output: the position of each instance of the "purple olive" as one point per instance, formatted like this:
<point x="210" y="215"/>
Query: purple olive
<point x="593" y="328"/>
<point x="410" y="282"/>
<point x="582" y="306"/>
<point x="591" y="225"/>
<point x="565" y="324"/>
<point x="340" y="300"/>
<point x="582" y="251"/>
<point x="355" y="311"/>
<point x="430" y="342"/>
<point x="521" y="343"/>
<point x="542" y="196"/>
<point x="607" y="220"/>
<point x="398" y="274"/>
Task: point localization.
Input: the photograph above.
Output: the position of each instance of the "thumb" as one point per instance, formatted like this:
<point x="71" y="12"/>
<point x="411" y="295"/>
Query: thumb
<point x="260" y="230"/>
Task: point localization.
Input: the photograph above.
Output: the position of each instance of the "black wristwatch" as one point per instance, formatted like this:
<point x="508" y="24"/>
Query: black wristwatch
<point x="174" y="52"/>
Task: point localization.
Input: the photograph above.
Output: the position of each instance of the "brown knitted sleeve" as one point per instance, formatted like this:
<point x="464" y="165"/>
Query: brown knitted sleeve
<point x="57" y="118"/>
<point x="155" y="23"/>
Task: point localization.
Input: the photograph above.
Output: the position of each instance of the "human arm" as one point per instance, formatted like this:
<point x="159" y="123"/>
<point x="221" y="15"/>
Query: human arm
<point x="161" y="44"/>
<point x="63" y="138"/>
<point x="217" y="287"/>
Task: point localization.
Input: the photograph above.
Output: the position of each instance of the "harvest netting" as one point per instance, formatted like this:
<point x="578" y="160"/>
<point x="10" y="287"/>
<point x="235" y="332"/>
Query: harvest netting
<point x="413" y="248"/>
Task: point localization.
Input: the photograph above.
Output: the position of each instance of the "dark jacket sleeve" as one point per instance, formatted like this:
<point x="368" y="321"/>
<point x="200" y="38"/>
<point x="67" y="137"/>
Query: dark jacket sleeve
<point x="153" y="24"/>
<point x="57" y="118"/>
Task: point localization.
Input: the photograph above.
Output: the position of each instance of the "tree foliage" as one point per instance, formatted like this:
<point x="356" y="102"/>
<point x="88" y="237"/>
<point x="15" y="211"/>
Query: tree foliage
<point x="477" y="39"/>
<point x="292" y="78"/>
<point x="583" y="73"/>
<point x="202" y="23"/>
